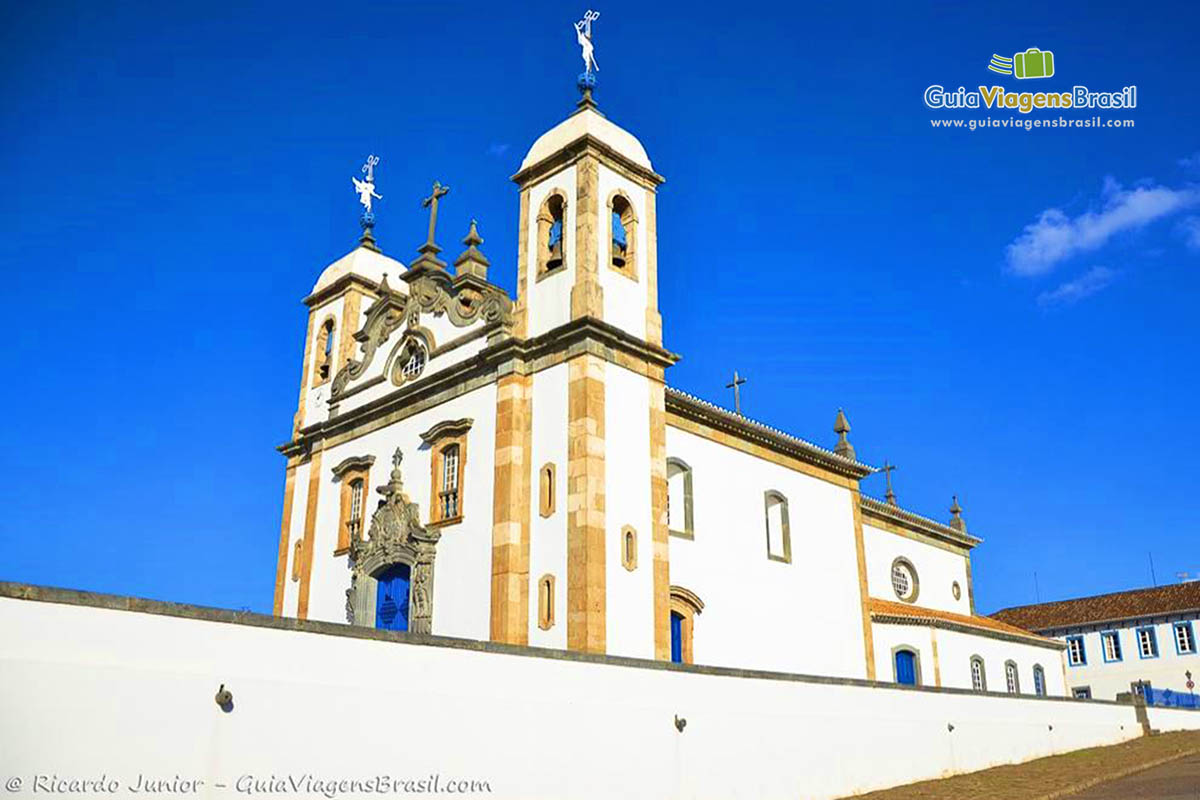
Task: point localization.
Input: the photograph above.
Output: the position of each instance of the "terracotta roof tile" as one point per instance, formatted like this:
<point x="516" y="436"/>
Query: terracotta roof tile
<point x="895" y="609"/>
<point x="1174" y="598"/>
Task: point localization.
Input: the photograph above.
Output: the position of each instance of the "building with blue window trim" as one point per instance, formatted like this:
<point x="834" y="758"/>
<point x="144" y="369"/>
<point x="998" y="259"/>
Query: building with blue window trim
<point x="1113" y="641"/>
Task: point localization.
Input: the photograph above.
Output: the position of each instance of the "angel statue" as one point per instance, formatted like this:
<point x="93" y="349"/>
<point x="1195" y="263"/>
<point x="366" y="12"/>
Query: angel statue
<point x="366" y="189"/>
<point x="583" y="33"/>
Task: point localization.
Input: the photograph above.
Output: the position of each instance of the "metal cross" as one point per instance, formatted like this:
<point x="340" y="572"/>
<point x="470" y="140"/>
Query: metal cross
<point x="431" y="203"/>
<point x="887" y="471"/>
<point x="736" y="385"/>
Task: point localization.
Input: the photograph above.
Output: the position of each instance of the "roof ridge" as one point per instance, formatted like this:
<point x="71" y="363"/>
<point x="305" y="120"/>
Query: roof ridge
<point x="1093" y="597"/>
<point x="770" y="428"/>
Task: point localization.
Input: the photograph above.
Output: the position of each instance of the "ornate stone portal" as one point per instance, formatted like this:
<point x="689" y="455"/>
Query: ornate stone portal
<point x="396" y="536"/>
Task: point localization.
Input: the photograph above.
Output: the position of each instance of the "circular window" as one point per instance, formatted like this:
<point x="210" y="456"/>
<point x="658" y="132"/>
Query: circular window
<point x="904" y="580"/>
<point x="409" y="364"/>
<point x="956" y="590"/>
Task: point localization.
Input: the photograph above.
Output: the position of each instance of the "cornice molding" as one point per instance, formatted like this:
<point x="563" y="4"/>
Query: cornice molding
<point x="586" y="145"/>
<point x="353" y="462"/>
<point x="915" y="522"/>
<point x="447" y="429"/>
<point x="697" y="410"/>
<point x="338" y="287"/>
<point x="884" y="618"/>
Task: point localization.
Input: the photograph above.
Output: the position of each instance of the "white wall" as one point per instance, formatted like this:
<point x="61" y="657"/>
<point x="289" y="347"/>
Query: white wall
<point x="88" y="690"/>
<point x="805" y="616"/>
<point x="548" y="535"/>
<point x="1106" y="680"/>
<point x="937" y="570"/>
<point x="955" y="650"/>
<point x="624" y="297"/>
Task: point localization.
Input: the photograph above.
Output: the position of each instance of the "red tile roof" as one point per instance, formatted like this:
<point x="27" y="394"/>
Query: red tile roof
<point x="1172" y="599"/>
<point x="890" y="608"/>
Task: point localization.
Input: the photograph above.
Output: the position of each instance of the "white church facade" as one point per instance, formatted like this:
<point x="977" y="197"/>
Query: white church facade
<point x="518" y="470"/>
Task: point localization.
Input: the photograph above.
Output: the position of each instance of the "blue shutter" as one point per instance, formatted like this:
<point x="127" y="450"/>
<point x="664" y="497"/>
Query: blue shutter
<point x="391" y="599"/>
<point x="906" y="667"/>
<point x="676" y="637"/>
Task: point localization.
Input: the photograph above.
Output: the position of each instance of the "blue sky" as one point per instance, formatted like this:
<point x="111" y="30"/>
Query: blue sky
<point x="1008" y="315"/>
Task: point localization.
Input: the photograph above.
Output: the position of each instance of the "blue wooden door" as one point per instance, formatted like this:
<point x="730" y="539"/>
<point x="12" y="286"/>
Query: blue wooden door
<point x="677" y="637"/>
<point x="391" y="598"/>
<point x="906" y="667"/>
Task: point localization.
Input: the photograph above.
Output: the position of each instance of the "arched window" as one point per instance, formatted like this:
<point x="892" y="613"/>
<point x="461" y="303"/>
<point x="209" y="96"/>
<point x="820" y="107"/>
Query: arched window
<point x="1039" y="680"/>
<point x="978" y="674"/>
<point x="779" y="535"/>
<point x="629" y="548"/>
<point x="623" y="242"/>
<point x="1010" y="677"/>
<point x="324" y="357"/>
<point x="679" y="498"/>
<point x="551" y="253"/>
<point x="546" y="489"/>
<point x="685" y="607"/>
<point x="907" y="665"/>
<point x="546" y="602"/>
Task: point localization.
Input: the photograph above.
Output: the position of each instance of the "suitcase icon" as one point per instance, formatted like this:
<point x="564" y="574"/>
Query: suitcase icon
<point x="1034" y="63"/>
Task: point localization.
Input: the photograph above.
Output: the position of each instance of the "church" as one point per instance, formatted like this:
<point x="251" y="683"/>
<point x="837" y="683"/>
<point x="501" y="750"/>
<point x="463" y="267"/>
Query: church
<point x="519" y="469"/>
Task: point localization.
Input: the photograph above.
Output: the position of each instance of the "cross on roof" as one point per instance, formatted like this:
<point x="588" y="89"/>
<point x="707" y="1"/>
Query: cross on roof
<point x="736" y="385"/>
<point x="431" y="203"/>
<point x="886" y="469"/>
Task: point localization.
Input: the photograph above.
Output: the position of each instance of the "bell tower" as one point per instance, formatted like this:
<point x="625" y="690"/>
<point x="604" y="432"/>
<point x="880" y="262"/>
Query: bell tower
<point x="587" y="303"/>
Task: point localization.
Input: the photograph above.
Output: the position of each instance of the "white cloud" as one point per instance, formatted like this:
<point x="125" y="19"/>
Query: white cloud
<point x="1056" y="237"/>
<point x="1191" y="232"/>
<point x="1085" y="285"/>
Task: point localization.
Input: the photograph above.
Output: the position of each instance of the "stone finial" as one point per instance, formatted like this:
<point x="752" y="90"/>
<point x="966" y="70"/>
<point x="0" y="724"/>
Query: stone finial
<point x="842" y="427"/>
<point x="956" y="520"/>
<point x="394" y="486"/>
<point x="472" y="261"/>
<point x="384" y="289"/>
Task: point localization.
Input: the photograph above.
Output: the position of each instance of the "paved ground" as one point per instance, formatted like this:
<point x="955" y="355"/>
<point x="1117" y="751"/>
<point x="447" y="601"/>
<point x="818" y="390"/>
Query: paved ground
<point x="1175" y="780"/>
<point x="1174" y="759"/>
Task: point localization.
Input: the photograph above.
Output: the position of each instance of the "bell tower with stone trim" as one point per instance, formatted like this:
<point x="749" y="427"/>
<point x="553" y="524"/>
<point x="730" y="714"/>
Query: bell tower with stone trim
<point x="587" y="301"/>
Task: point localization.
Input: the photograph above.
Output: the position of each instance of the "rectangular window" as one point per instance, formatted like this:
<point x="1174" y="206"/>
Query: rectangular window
<point x="1185" y="638"/>
<point x="1147" y="643"/>
<point x="1112" y="645"/>
<point x="1076" y="655"/>
<point x="449" y="501"/>
<point x="1082" y="693"/>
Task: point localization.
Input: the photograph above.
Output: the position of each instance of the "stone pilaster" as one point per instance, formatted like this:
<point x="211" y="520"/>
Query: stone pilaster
<point x="285" y="532"/>
<point x="510" y="511"/>
<point x="521" y="307"/>
<point x="653" y="317"/>
<point x="351" y="304"/>
<point x="310" y="532"/>
<point x="587" y="298"/>
<point x="863" y="593"/>
<point x="660" y="538"/>
<point x="586" y="604"/>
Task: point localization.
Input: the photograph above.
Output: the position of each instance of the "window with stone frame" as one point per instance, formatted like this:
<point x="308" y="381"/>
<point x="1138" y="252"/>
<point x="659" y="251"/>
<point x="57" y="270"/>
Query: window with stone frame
<point x="1039" y="680"/>
<point x="978" y="674"/>
<point x="779" y="534"/>
<point x="685" y="606"/>
<point x="1011" y="681"/>
<point x="448" y="460"/>
<point x="622" y="255"/>
<point x="546" y="602"/>
<point x="679" y="499"/>
<point x="353" y="477"/>
<point x="551" y="234"/>
<point x="323" y="359"/>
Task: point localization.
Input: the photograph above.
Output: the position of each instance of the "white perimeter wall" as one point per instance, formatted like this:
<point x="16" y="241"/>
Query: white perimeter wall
<point x="751" y="603"/>
<point x="88" y="691"/>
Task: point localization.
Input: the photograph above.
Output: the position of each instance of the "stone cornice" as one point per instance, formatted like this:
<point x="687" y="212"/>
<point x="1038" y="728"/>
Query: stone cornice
<point x="693" y="408"/>
<point x="340" y="285"/>
<point x="915" y="522"/>
<point x="589" y="145"/>
<point x="525" y="356"/>
<point x="353" y="462"/>
<point x="454" y="427"/>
